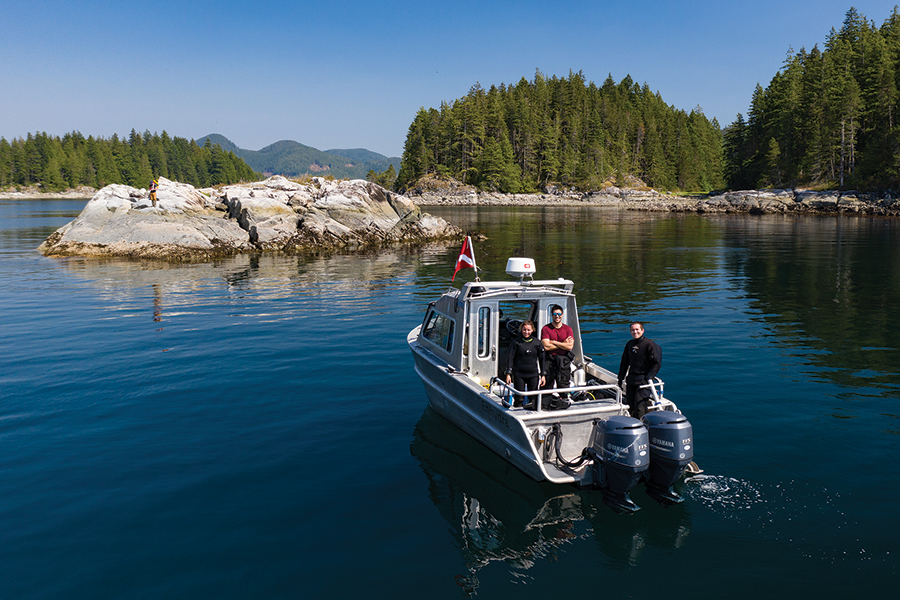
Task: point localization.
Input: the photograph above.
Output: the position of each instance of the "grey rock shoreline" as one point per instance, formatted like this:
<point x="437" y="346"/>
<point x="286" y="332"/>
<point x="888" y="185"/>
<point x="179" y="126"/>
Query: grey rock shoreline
<point x="275" y="215"/>
<point x="747" y="201"/>
<point x="34" y="193"/>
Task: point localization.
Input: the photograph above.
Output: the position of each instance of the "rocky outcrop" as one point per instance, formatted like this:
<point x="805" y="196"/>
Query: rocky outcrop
<point x="272" y="215"/>
<point x="647" y="199"/>
<point x="784" y="201"/>
<point x="35" y="191"/>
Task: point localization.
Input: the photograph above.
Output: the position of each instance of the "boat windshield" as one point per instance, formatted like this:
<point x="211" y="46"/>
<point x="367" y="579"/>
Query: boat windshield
<point x="512" y="313"/>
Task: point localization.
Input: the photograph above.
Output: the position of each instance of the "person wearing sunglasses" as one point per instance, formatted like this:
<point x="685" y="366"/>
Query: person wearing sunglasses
<point x="558" y="340"/>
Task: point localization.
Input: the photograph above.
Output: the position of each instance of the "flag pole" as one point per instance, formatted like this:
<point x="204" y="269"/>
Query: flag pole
<point x="466" y="258"/>
<point x="474" y="266"/>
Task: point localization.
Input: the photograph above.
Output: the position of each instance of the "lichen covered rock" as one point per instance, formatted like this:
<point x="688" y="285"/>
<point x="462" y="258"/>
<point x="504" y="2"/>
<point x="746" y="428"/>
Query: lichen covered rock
<point x="272" y="215"/>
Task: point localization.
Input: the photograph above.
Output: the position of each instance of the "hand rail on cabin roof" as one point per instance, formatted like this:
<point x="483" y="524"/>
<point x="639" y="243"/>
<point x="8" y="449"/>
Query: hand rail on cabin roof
<point x="481" y="290"/>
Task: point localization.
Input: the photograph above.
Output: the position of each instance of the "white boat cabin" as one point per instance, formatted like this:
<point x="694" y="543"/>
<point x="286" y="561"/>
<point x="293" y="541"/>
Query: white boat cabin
<point x="493" y="312"/>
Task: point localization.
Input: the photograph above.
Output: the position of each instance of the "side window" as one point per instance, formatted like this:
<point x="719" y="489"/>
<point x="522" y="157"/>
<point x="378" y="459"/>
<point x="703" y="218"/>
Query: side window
<point x="439" y="330"/>
<point x="484" y="332"/>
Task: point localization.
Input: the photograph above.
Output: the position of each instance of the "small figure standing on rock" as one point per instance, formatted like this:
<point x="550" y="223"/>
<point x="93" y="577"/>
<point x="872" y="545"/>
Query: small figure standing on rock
<point x="154" y="185"/>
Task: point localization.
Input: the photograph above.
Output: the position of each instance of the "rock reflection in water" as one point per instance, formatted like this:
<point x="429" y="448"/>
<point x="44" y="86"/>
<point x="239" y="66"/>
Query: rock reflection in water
<point x="129" y="285"/>
<point x="497" y="514"/>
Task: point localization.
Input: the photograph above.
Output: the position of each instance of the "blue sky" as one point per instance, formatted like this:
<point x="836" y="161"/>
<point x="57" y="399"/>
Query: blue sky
<point x="352" y="74"/>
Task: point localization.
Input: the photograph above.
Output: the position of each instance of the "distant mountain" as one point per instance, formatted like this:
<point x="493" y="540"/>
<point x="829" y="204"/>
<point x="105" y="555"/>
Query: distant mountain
<point x="293" y="159"/>
<point x="221" y="140"/>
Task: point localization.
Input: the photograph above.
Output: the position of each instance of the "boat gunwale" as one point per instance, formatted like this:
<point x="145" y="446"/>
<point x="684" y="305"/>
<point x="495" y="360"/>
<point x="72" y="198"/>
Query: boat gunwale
<point x="528" y="421"/>
<point x="602" y="406"/>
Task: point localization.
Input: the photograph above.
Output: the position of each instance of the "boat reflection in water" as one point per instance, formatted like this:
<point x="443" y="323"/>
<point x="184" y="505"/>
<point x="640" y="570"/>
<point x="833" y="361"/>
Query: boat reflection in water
<point x="497" y="513"/>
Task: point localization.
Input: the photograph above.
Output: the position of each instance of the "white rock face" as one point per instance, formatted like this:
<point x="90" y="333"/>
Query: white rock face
<point x="275" y="214"/>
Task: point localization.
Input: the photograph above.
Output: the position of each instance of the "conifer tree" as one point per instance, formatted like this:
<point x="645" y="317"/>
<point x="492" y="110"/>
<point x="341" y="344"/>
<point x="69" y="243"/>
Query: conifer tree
<point x="57" y="163"/>
<point x="833" y="113"/>
<point x="563" y="131"/>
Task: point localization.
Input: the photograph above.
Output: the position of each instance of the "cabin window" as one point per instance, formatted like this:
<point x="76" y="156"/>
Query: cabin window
<point x="484" y="332"/>
<point x="518" y="311"/>
<point x="439" y="330"/>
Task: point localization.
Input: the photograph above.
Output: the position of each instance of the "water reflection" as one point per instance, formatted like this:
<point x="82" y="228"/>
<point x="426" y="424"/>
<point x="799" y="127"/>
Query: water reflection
<point x="824" y="287"/>
<point x="250" y="277"/>
<point x="498" y="515"/>
<point x="157" y="303"/>
<point x="830" y="284"/>
<point x="622" y="260"/>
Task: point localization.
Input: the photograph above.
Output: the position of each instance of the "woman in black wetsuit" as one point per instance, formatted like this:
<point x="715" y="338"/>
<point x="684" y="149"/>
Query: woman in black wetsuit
<point x="525" y="368"/>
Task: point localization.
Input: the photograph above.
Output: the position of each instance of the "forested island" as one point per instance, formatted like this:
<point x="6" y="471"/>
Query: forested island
<point x="828" y="118"/>
<point x="826" y="121"/>
<point x="72" y="161"/>
<point x="566" y="131"/>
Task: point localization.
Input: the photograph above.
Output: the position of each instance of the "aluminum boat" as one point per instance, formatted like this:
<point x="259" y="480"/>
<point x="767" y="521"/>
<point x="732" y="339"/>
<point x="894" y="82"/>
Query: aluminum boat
<point x="460" y="352"/>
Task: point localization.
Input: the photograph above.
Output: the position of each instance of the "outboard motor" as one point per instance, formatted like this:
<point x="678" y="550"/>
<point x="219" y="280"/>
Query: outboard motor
<point x="671" y="450"/>
<point x="621" y="457"/>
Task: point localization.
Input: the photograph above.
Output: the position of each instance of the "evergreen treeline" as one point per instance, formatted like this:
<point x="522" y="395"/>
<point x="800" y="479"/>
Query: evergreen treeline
<point x="73" y="160"/>
<point x="385" y="179"/>
<point x="562" y="130"/>
<point x="828" y="118"/>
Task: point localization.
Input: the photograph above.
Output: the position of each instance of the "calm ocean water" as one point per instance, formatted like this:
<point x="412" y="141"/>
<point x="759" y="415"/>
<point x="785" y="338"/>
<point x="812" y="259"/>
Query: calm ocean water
<point x="253" y="427"/>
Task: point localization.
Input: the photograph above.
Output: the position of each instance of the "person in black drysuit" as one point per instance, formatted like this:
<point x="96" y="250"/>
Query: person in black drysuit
<point x="641" y="361"/>
<point x="525" y="367"/>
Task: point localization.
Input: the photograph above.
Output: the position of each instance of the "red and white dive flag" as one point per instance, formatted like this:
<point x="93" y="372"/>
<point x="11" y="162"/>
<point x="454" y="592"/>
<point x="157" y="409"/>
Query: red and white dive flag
<point x="466" y="258"/>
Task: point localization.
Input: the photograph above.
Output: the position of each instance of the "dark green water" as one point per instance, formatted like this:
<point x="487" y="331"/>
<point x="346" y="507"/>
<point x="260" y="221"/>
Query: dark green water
<point x="254" y="428"/>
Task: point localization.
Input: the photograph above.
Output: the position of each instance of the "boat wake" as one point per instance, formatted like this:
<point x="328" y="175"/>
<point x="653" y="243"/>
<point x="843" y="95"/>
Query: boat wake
<point x="794" y="513"/>
<point x="723" y="495"/>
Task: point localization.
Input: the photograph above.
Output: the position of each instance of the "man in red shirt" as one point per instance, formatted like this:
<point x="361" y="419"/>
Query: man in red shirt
<point x="558" y="341"/>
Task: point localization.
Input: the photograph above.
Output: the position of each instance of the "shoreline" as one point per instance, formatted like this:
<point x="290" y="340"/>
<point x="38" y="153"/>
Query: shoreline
<point x="76" y="194"/>
<point x="744" y="201"/>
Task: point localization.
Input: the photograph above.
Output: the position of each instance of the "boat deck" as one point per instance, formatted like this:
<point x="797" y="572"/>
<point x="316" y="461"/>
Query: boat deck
<point x="461" y="354"/>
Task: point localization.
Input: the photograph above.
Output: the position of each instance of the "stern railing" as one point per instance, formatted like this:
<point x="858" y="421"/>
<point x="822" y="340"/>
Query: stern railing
<point x="507" y="392"/>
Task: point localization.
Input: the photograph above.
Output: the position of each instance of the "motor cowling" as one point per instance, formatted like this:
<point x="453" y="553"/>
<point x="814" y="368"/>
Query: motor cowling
<point x="621" y="454"/>
<point x="671" y="451"/>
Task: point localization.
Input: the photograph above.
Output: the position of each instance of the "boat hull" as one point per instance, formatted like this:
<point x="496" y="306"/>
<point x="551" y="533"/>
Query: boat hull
<point x="468" y="338"/>
<point x="509" y="432"/>
<point x="456" y="399"/>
